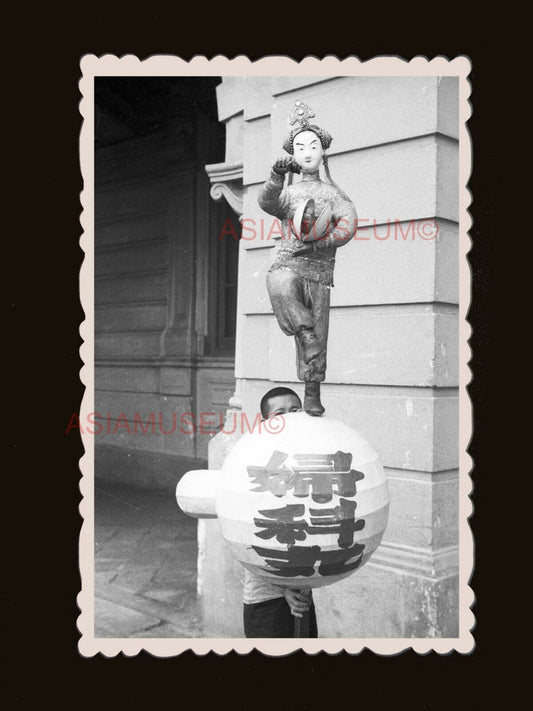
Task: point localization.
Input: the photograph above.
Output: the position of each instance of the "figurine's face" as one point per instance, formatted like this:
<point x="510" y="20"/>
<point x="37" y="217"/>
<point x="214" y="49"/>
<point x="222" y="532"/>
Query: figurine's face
<point x="308" y="151"/>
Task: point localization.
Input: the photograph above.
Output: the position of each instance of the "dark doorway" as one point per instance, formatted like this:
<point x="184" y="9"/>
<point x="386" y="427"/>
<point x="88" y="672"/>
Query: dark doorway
<point x="165" y="285"/>
<point x="165" y="302"/>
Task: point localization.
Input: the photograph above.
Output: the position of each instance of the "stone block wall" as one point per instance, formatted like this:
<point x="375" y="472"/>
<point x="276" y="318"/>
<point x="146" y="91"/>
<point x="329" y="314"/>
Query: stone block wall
<point x="393" y="345"/>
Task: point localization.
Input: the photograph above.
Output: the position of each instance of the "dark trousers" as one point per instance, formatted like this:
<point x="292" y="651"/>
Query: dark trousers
<point x="273" y="618"/>
<point x="300" y="303"/>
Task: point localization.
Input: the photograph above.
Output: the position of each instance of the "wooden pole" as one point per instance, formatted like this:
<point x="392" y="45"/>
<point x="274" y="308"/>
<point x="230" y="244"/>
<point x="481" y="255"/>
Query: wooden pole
<point x="301" y="625"/>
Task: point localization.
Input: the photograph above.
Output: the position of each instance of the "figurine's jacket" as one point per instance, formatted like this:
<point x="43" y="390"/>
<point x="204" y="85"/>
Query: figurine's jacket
<point x="316" y="265"/>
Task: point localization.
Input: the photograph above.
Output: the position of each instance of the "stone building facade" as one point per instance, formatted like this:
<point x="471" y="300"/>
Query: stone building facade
<point x="393" y="345"/>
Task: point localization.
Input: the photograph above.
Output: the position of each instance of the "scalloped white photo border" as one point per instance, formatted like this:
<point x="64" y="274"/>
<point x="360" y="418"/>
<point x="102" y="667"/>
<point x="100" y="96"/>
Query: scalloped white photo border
<point x="168" y="65"/>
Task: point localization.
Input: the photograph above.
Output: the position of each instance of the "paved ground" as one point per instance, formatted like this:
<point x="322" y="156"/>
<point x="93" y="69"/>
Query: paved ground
<point x="145" y="564"/>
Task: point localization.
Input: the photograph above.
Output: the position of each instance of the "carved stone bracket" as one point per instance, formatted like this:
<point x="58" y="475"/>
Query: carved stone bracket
<point x="226" y="184"/>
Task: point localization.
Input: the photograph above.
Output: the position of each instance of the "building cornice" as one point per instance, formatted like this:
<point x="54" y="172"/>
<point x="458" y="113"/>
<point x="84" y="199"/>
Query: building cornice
<point x="227" y="184"/>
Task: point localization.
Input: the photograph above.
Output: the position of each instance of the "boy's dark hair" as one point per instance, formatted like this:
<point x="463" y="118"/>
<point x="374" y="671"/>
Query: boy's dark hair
<point x="274" y="393"/>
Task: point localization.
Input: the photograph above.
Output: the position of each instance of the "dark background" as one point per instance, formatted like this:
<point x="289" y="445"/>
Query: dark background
<point x="42" y="124"/>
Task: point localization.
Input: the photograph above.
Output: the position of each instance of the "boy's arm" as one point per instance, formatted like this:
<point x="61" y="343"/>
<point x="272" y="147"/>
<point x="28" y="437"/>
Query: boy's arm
<point x="271" y="197"/>
<point x="343" y="231"/>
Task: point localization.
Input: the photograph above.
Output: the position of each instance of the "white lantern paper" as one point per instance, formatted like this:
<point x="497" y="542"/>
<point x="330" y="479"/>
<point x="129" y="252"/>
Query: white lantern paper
<point x="303" y="504"/>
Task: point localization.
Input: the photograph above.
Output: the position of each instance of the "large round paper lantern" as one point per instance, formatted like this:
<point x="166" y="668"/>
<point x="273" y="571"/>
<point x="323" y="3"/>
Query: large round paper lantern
<point x="302" y="504"/>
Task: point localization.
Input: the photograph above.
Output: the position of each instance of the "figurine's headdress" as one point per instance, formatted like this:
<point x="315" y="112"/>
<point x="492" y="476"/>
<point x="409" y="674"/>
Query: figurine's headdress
<point x="298" y="122"/>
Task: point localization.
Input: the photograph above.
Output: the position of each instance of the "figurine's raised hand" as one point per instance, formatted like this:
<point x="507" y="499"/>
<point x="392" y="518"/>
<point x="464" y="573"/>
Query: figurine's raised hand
<point x="284" y="165"/>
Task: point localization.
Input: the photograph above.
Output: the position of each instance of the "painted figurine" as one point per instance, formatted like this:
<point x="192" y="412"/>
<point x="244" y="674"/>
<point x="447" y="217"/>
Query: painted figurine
<point x="317" y="218"/>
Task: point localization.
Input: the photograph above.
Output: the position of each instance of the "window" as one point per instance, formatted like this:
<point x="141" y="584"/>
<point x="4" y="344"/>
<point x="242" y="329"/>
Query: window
<point x="223" y="277"/>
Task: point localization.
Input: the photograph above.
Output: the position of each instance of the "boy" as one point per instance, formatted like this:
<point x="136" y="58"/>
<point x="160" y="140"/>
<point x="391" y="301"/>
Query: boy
<point x="269" y="610"/>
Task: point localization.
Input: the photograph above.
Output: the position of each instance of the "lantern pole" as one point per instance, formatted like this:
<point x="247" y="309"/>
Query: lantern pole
<point x="301" y="625"/>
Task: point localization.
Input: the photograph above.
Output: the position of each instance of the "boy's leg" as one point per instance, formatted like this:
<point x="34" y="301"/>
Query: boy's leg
<point x="273" y="619"/>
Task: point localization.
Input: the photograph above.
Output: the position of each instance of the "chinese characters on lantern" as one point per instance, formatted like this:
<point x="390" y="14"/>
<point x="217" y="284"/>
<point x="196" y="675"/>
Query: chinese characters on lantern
<point x="325" y="479"/>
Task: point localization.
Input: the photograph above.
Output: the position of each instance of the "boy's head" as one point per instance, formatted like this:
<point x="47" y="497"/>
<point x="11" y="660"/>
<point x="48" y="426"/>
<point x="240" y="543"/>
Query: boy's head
<point x="279" y="401"/>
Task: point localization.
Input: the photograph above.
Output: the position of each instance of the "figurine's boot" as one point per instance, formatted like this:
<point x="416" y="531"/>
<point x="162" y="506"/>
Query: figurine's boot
<point x="312" y="404"/>
<point x="310" y="345"/>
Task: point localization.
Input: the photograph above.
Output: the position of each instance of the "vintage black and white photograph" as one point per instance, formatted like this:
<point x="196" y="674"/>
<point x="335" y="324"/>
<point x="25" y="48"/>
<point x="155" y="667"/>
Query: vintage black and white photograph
<point x="275" y="420"/>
